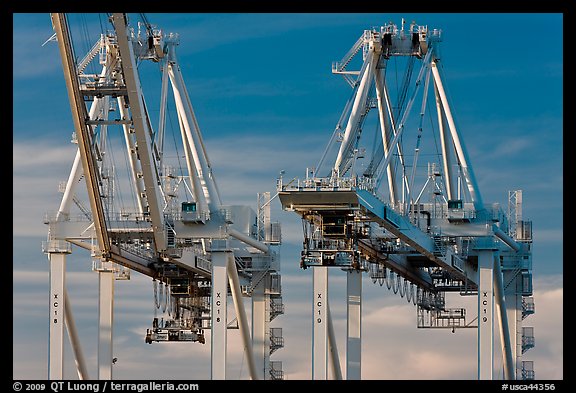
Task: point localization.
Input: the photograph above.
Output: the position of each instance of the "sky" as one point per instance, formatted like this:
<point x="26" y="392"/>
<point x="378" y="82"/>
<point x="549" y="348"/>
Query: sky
<point x="266" y="101"/>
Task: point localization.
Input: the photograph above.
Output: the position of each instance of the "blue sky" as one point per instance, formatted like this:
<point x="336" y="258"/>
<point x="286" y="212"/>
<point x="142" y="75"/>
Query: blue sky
<point x="265" y="98"/>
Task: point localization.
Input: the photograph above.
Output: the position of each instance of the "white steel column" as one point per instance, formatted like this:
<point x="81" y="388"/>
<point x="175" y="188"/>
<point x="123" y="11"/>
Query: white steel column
<point x="218" y="307"/>
<point x="485" y="314"/>
<point x="354" y="326"/>
<point x="105" y="323"/>
<point x="320" y="325"/>
<point x="261" y="328"/>
<point x="57" y="304"/>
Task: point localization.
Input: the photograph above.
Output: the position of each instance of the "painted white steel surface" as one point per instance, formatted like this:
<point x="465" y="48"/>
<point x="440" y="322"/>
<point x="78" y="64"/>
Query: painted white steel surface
<point x="219" y="308"/>
<point x="485" y="314"/>
<point x="355" y="113"/>
<point x="499" y="297"/>
<point x="460" y="149"/>
<point x="188" y="118"/>
<point x="56" y="303"/>
<point x="105" y="323"/>
<point x="241" y="314"/>
<point x="447" y="165"/>
<point x="385" y="125"/>
<point x="79" y="116"/>
<point x="320" y="325"/>
<point x="141" y="131"/>
<point x="513" y="300"/>
<point x="132" y="153"/>
<point x="75" y="340"/>
<point x="354" y="325"/>
<point x="260" y="329"/>
<point x="334" y="359"/>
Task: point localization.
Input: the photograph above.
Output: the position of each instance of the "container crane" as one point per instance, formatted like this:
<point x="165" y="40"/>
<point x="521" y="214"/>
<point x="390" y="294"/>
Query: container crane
<point x="156" y="216"/>
<point x="370" y="206"/>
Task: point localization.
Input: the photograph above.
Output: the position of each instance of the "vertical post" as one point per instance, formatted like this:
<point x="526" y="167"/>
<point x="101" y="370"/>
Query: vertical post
<point x="57" y="305"/>
<point x="219" y="309"/>
<point x="354" y="326"/>
<point x="320" y="326"/>
<point x="260" y="329"/>
<point x="105" y="323"/>
<point x="485" y="314"/>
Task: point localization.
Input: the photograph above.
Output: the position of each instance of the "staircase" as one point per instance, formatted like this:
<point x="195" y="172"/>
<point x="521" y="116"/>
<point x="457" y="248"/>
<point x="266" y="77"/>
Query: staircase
<point x="276" y="306"/>
<point x="276" y="373"/>
<point x="276" y="339"/>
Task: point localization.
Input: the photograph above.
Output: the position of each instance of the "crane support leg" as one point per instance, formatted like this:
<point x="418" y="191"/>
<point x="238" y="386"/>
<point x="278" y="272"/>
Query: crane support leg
<point x="333" y="348"/>
<point x="218" y="307"/>
<point x="57" y="314"/>
<point x="354" y="327"/>
<point x="320" y="323"/>
<point x="74" y="340"/>
<point x="260" y="329"/>
<point x="241" y="314"/>
<point x="485" y="314"/>
<point x="105" y="323"/>
<point x="503" y="321"/>
<point x="513" y="299"/>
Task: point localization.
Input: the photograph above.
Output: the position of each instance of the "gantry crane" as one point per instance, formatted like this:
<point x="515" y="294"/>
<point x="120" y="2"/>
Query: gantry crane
<point x="424" y="230"/>
<point x="160" y="215"/>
